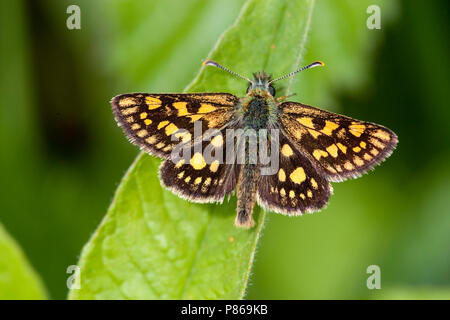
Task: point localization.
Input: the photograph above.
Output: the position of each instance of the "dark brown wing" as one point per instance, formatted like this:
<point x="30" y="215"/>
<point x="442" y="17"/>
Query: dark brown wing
<point x="340" y="146"/>
<point x="153" y="121"/>
<point x="297" y="187"/>
<point x="203" y="173"/>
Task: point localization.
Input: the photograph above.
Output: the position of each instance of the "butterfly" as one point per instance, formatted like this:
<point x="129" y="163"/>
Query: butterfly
<point x="213" y="145"/>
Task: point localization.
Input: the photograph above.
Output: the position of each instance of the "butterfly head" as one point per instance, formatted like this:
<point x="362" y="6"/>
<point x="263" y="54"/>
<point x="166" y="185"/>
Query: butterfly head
<point x="262" y="82"/>
<point x="261" y="85"/>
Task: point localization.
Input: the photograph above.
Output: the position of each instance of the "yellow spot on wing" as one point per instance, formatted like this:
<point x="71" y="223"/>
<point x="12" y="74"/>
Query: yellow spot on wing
<point x="298" y="175"/>
<point x="185" y="136"/>
<point x="198" y="180"/>
<point x="142" y="133"/>
<point x="129" y="111"/>
<point x="314" y="183"/>
<point x="309" y="193"/>
<point x="377" y="143"/>
<point x="214" y="166"/>
<point x="148" y="121"/>
<point x="367" y="157"/>
<point x="168" y="148"/>
<point x="152" y="103"/>
<point x="179" y="163"/>
<point x="162" y="124"/>
<point x="331" y="169"/>
<point x="180" y="175"/>
<point x="143" y="115"/>
<point x="281" y="175"/>
<point x="356" y="149"/>
<point x="283" y="192"/>
<point x="349" y="166"/>
<point x="151" y="140"/>
<point x="357" y="129"/>
<point x="314" y="133"/>
<point x="306" y="121"/>
<point x="135" y="126"/>
<point x="341" y="133"/>
<point x="342" y="147"/>
<point x="206" y="108"/>
<point x="319" y="153"/>
<point x="197" y="161"/>
<point x="383" y="135"/>
<point x="171" y="128"/>
<point x="181" y="107"/>
<point x="358" y="161"/>
<point x="195" y="117"/>
<point x="363" y="144"/>
<point x="286" y="150"/>
<point x="187" y="179"/>
<point x="126" y="102"/>
<point x="217" y="141"/>
<point x="333" y="150"/>
<point x="292" y="194"/>
<point x="329" y="127"/>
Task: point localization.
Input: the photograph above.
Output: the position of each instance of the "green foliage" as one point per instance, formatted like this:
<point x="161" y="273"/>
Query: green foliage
<point x="414" y="293"/>
<point x="153" y="244"/>
<point x="18" y="280"/>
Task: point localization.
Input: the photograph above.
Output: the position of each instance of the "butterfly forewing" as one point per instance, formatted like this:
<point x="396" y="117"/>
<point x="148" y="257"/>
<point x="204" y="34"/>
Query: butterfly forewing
<point x="341" y="147"/>
<point x="158" y="122"/>
<point x="297" y="187"/>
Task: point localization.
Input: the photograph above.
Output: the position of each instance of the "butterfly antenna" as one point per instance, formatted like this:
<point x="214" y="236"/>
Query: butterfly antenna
<point x="312" y="65"/>
<point x="215" y="64"/>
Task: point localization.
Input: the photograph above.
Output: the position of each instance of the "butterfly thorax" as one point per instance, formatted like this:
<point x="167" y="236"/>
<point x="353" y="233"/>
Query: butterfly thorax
<point x="256" y="114"/>
<point x="257" y="104"/>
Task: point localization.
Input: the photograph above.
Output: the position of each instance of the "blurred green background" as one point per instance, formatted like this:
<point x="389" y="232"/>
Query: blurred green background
<point x="63" y="155"/>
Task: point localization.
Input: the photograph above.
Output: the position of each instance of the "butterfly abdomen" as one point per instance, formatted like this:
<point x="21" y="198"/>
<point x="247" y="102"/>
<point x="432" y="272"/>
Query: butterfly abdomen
<point x="246" y="193"/>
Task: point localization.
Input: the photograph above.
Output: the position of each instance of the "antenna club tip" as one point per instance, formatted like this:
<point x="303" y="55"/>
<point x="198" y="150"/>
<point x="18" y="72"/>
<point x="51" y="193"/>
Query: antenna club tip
<point x="208" y="63"/>
<point x="321" y="63"/>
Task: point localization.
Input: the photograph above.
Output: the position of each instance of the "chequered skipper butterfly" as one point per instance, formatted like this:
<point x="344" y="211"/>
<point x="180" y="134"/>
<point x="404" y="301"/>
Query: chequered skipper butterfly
<point x="313" y="147"/>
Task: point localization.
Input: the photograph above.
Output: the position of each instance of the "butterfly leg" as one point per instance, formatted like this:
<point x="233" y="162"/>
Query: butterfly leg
<point x="279" y="99"/>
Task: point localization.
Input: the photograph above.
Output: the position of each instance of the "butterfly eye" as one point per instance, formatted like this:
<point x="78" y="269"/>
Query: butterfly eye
<point x="272" y="90"/>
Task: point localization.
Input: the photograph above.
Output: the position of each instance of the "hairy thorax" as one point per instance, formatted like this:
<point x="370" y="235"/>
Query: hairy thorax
<point x="257" y="109"/>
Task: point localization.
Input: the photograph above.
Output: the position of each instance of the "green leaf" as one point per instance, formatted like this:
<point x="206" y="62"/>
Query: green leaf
<point x="412" y="293"/>
<point x="154" y="245"/>
<point x="18" y="280"/>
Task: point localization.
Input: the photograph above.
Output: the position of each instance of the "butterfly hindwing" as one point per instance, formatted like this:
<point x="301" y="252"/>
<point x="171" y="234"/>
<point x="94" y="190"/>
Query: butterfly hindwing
<point x="202" y="175"/>
<point x="151" y="121"/>
<point x="340" y="146"/>
<point x="297" y="187"/>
